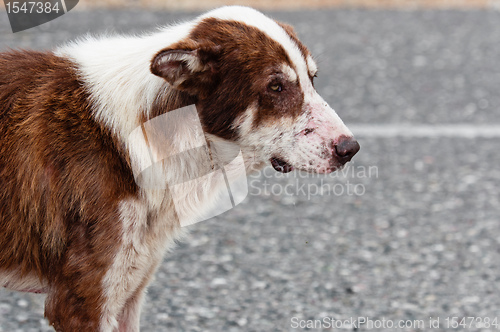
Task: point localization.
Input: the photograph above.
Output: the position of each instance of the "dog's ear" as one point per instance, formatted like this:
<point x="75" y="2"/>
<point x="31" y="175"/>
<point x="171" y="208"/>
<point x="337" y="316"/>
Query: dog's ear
<point x="188" y="70"/>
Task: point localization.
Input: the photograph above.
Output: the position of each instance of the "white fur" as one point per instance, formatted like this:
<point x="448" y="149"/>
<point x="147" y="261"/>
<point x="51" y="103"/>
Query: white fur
<point x="289" y="72"/>
<point x="144" y="241"/>
<point x="285" y="138"/>
<point x="116" y="70"/>
<point x="29" y="283"/>
<point x="311" y="64"/>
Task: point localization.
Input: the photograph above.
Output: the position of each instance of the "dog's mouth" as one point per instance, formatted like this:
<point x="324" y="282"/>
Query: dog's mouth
<point x="280" y="165"/>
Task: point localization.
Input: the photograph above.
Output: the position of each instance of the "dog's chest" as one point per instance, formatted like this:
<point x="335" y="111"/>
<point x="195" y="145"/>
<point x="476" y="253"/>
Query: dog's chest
<point x="28" y="283"/>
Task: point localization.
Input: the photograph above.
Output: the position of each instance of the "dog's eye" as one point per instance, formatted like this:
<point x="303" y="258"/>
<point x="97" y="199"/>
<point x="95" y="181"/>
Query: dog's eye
<point x="276" y="87"/>
<point x="307" y="131"/>
<point x="313" y="77"/>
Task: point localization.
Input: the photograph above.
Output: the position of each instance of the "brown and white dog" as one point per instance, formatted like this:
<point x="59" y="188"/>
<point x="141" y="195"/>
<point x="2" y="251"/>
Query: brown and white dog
<point x="73" y="222"/>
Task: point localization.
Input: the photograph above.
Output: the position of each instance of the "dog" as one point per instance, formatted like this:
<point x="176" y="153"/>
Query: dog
<point x="75" y="223"/>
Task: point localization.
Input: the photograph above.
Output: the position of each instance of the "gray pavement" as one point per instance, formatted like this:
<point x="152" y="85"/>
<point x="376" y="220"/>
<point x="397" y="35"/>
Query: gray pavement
<point x="409" y="231"/>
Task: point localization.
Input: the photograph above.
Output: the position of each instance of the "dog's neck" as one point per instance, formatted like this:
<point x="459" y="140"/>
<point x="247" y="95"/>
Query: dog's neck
<point x="119" y="78"/>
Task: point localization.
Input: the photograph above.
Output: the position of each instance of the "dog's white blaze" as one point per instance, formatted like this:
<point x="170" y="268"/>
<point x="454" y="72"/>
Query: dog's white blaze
<point x="273" y="30"/>
<point x="289" y="72"/>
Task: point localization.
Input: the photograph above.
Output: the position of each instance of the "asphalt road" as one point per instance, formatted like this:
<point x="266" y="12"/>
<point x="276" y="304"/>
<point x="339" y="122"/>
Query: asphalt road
<point x="410" y="231"/>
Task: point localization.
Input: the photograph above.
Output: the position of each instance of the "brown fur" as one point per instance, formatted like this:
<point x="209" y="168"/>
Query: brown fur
<point x="62" y="175"/>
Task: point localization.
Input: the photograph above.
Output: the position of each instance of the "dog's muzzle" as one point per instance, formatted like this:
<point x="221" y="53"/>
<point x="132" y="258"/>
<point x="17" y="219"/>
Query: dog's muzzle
<point x="337" y="154"/>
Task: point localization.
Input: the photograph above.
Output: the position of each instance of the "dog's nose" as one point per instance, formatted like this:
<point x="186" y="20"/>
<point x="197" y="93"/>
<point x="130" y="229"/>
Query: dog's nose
<point x="346" y="148"/>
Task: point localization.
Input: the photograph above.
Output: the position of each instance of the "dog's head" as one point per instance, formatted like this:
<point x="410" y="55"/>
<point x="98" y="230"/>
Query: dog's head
<point x="253" y="82"/>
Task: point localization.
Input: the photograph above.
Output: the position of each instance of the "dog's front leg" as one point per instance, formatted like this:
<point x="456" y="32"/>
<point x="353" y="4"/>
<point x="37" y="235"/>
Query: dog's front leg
<point x="78" y="299"/>
<point x="100" y="289"/>
<point x="145" y="238"/>
<point x="129" y="320"/>
<point x="68" y="311"/>
<point x="134" y="262"/>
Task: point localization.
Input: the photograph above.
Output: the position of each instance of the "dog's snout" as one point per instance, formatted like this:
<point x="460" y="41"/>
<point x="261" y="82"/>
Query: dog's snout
<point x="346" y="148"/>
